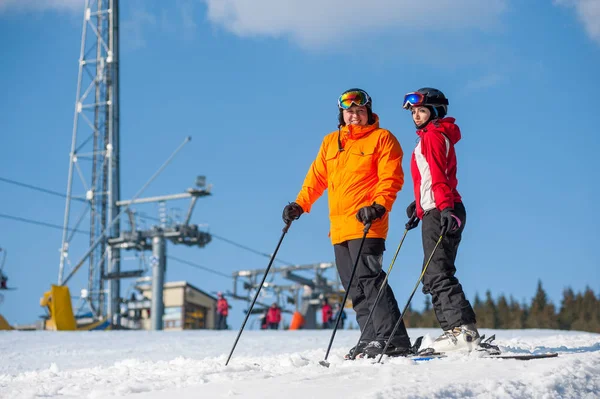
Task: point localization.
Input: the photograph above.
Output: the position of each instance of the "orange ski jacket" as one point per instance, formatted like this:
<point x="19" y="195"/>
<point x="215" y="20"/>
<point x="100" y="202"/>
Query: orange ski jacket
<point x="359" y="165"/>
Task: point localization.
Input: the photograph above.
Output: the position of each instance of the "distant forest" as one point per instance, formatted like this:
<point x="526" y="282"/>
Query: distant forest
<point x="578" y="311"/>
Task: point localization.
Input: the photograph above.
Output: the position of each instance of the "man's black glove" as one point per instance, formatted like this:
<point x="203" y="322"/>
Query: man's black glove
<point x="367" y="214"/>
<point x="413" y="220"/>
<point x="449" y="221"/>
<point x="291" y="212"/>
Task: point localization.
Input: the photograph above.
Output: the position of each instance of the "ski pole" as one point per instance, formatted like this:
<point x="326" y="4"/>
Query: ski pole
<point x="284" y="231"/>
<point x="324" y="362"/>
<point x="383" y="285"/>
<point x="409" y="299"/>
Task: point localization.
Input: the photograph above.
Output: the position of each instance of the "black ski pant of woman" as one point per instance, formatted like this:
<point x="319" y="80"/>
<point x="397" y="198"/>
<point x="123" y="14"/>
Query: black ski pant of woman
<point x="451" y="307"/>
<point x="364" y="288"/>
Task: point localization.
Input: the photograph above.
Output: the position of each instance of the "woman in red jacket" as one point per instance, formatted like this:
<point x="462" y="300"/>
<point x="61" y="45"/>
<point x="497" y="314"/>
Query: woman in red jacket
<point x="439" y="205"/>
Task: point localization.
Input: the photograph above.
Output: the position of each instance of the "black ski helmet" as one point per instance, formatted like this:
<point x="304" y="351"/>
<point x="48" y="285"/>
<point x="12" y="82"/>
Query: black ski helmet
<point x="433" y="103"/>
<point x="369" y="105"/>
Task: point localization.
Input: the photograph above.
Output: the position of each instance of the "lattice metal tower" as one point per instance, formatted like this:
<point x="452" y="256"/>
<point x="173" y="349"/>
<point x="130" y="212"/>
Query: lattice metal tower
<point x="93" y="180"/>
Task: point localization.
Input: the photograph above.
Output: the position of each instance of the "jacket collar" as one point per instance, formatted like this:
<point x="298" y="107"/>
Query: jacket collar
<point x="354" y="132"/>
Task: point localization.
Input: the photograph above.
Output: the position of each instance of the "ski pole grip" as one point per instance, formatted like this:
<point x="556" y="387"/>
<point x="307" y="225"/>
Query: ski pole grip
<point x="367" y="228"/>
<point x="286" y="227"/>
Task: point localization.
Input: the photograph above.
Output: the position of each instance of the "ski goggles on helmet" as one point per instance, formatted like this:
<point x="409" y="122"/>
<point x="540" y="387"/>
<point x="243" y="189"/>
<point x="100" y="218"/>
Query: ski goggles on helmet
<point x="357" y="97"/>
<point x="416" y="99"/>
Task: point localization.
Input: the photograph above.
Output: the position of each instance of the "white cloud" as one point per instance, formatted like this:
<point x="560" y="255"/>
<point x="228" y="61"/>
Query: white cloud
<point x="41" y="5"/>
<point x="314" y="23"/>
<point x="135" y="26"/>
<point x="485" y="82"/>
<point x="588" y="12"/>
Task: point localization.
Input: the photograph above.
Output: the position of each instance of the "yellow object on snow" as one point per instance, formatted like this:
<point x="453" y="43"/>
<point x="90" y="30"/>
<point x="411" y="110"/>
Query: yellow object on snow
<point x="58" y="302"/>
<point x="4" y="324"/>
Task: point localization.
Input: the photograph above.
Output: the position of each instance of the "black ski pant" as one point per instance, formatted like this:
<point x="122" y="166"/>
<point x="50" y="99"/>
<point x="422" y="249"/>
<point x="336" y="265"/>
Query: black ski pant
<point x="451" y="307"/>
<point x="364" y="288"/>
<point x="221" y="322"/>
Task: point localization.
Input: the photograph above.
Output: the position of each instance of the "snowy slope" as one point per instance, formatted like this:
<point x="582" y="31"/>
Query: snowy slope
<point x="284" y="364"/>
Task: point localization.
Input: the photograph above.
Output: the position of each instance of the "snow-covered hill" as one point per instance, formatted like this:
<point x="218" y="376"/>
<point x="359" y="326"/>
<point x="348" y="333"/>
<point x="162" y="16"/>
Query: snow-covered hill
<point x="284" y="364"/>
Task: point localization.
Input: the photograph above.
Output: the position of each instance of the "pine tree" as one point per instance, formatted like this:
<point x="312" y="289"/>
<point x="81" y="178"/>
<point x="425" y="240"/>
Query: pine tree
<point x="568" y="311"/>
<point x="587" y="318"/>
<point x="428" y="319"/>
<point x="518" y="314"/>
<point x="479" y="311"/>
<point x="491" y="309"/>
<point x="542" y="313"/>
<point x="412" y="318"/>
<point x="504" y="313"/>
<point x="487" y="315"/>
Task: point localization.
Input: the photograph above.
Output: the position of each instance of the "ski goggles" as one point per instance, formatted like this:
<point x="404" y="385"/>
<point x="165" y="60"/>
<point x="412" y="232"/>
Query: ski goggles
<point x="416" y="99"/>
<point x="357" y="97"/>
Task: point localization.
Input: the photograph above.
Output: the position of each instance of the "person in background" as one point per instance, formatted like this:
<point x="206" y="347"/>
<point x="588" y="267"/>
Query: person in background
<point x="274" y="316"/>
<point x="222" y="311"/>
<point x="326" y="313"/>
<point x="337" y="309"/>
<point x="263" y="320"/>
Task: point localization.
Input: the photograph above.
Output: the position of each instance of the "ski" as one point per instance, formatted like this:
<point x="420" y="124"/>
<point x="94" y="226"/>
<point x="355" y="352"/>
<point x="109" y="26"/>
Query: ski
<point x="491" y="352"/>
<point x="487" y="349"/>
<point x="522" y="356"/>
<point x="425" y="358"/>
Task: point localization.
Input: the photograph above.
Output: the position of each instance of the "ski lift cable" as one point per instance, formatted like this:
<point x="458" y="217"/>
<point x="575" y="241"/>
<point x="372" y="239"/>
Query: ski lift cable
<point x="40" y="223"/>
<point x="54" y="226"/>
<point x="43" y="190"/>
<point x="198" y="266"/>
<point x="55" y="193"/>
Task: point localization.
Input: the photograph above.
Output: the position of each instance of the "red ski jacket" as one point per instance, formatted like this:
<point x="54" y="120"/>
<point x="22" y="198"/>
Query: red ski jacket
<point x="433" y="166"/>
<point x="222" y="306"/>
<point x="274" y="315"/>
<point x="327" y="313"/>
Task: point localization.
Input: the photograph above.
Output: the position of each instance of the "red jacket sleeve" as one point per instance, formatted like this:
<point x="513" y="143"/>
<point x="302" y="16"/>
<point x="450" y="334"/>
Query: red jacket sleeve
<point x="435" y="150"/>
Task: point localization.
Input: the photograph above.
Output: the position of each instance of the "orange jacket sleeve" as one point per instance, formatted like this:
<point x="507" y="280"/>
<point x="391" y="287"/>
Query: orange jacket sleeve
<point x="389" y="169"/>
<point x="315" y="181"/>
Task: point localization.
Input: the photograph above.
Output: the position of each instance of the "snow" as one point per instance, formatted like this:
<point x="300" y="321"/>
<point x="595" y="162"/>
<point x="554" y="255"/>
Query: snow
<point x="285" y="364"/>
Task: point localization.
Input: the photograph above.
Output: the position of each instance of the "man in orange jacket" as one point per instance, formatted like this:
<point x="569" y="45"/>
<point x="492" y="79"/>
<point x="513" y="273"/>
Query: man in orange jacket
<point x="361" y="166"/>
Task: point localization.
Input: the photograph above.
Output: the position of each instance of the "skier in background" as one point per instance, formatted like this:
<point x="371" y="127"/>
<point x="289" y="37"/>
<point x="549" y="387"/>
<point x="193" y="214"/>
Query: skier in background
<point x="3" y="281"/>
<point x="439" y="205"/>
<point x="274" y="316"/>
<point x="263" y="320"/>
<point x="361" y="165"/>
<point x="222" y="311"/>
<point x="337" y="309"/>
<point x="326" y="314"/>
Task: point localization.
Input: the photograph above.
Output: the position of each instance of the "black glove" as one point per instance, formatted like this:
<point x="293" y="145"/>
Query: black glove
<point x="413" y="220"/>
<point x="411" y="210"/>
<point x="449" y="221"/>
<point x="367" y="214"/>
<point x="412" y="223"/>
<point x="291" y="212"/>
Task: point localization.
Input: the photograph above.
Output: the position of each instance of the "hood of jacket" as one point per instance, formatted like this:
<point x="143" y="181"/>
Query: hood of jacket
<point x="446" y="126"/>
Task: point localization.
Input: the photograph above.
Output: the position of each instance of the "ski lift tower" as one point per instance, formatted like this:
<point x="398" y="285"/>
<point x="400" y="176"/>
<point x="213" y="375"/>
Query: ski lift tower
<point x="93" y="185"/>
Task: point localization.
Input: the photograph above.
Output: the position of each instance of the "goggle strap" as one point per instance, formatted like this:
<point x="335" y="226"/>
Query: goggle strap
<point x="442" y="101"/>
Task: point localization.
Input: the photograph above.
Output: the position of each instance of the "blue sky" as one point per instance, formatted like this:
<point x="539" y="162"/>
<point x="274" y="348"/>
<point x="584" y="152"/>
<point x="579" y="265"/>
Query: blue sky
<point x="256" y="88"/>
